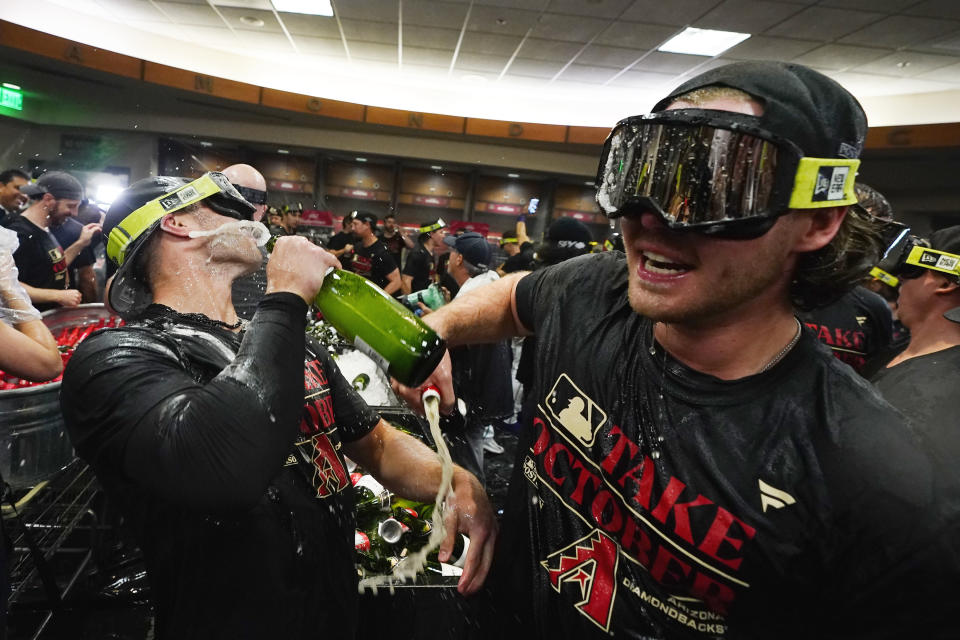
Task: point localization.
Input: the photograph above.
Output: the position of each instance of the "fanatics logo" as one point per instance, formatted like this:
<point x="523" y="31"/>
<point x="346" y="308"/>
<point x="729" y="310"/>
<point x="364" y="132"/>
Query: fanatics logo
<point x="574" y="411"/>
<point x="773" y="498"/>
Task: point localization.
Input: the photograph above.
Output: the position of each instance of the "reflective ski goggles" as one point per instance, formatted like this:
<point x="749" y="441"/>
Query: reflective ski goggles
<point x="436" y="226"/>
<point x="213" y="187"/>
<point x="714" y="172"/>
<point x="914" y="257"/>
<point x="894" y="238"/>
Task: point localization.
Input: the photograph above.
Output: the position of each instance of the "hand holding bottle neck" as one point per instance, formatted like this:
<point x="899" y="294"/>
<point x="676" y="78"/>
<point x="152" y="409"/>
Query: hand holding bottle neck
<point x="298" y="266"/>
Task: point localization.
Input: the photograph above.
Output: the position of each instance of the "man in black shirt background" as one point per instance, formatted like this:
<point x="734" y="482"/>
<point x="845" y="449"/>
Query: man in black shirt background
<point x="394" y="239"/>
<point x="370" y="257"/>
<point x="223" y="442"/>
<point x="698" y="465"/>
<point x="68" y="232"/>
<point x="420" y="270"/>
<point x="11" y="200"/>
<point x="341" y="243"/>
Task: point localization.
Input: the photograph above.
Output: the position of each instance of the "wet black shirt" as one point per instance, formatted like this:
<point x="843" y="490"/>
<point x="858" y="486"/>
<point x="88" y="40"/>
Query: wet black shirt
<point x="68" y="233"/>
<point x="858" y="327"/>
<point x="394" y="245"/>
<point x="650" y="500"/>
<point x="40" y="260"/>
<point x="522" y="261"/>
<point x="373" y="263"/>
<point x="421" y="267"/>
<point x="222" y="451"/>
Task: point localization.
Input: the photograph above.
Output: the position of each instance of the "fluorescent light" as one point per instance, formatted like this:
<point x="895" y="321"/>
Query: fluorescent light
<point x="283" y="151"/>
<point x="309" y="7"/>
<point x="361" y="159"/>
<point x="590" y="183"/>
<point x="702" y="42"/>
<point x="10" y="85"/>
<point x="205" y="144"/>
<point x="107" y="193"/>
<point x="513" y="175"/>
<point x="436" y="167"/>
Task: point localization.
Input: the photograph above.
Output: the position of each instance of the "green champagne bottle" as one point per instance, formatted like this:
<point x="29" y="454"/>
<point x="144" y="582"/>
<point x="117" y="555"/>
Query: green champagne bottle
<point x="379" y="326"/>
<point x="372" y="499"/>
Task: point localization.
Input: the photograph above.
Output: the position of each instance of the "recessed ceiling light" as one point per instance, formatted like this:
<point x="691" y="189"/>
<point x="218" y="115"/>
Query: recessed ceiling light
<point x="436" y="167"/>
<point x="10" y="85"/>
<point x="361" y="159"/>
<point x="903" y="64"/>
<point x="283" y="151"/>
<point x="501" y="21"/>
<point x="251" y="21"/>
<point x="702" y="42"/>
<point x="309" y="7"/>
<point x="513" y="175"/>
<point x="590" y="183"/>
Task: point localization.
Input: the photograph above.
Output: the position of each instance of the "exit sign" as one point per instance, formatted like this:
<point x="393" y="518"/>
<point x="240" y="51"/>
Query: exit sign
<point x="11" y="98"/>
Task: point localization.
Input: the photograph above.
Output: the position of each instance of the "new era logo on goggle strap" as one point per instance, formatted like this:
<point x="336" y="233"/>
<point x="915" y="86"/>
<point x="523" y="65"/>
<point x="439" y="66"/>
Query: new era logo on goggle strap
<point x="178" y="198"/>
<point x="830" y="184"/>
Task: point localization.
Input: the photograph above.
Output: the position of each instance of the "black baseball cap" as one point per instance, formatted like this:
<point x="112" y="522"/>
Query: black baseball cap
<point x="948" y="240"/>
<point x="569" y="232"/>
<point x="472" y="246"/>
<point x="802" y="105"/>
<point x="60" y="184"/>
<point x="365" y="216"/>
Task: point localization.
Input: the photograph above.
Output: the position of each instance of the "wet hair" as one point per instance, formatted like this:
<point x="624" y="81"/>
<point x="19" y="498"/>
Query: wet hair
<point x="824" y="275"/>
<point x="699" y="97"/>
<point x="10" y="174"/>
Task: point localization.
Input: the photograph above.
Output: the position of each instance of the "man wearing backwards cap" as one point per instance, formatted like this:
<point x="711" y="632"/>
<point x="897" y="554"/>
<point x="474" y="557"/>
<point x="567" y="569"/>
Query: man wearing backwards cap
<point x="223" y="443"/>
<point x="922" y="380"/>
<point x="370" y="256"/>
<point x="420" y="270"/>
<point x="697" y="465"/>
<point x="42" y="262"/>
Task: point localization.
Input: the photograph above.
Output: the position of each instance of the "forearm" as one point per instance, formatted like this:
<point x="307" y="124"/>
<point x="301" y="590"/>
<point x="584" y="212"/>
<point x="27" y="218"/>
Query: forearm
<point x="393" y="283"/>
<point x="87" y="284"/>
<point x="41" y="296"/>
<point x="481" y="316"/>
<point x="70" y="253"/>
<point x="29" y="351"/>
<point x="406" y="285"/>
<point x="522" y="232"/>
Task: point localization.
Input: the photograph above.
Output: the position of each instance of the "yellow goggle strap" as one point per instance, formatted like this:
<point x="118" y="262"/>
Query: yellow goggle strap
<point x="504" y="241"/>
<point x="935" y="260"/>
<point x="430" y="228"/>
<point x="133" y="226"/>
<point x="884" y="277"/>
<point x="824" y="182"/>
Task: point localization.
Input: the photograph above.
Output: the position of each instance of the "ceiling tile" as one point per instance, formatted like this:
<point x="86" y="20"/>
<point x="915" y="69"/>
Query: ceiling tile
<point x="675" y="12"/>
<point x="131" y="10"/>
<point x="885" y="6"/>
<point x="192" y="14"/>
<point x="634" y="35"/>
<point x="380" y="10"/>
<point x="430" y="37"/>
<point x="549" y="49"/>
<point x="422" y="56"/>
<point x="906" y="64"/>
<point x="499" y="20"/>
<point x="481" y="62"/>
<point x="242" y="4"/>
<point x="535" y="68"/>
<point x="767" y="48"/>
<point x="265" y="41"/>
<point x="747" y="16"/>
<point x="840" y="56"/>
<point x="669" y="62"/>
<point x="641" y="79"/>
<point x="592" y="8"/>
<point x="949" y="73"/>
<point x="570" y="28"/>
<point x="368" y="31"/>
<point x="233" y="16"/>
<point x="901" y="31"/>
<point x="824" y="24"/>
<point x="936" y="9"/>
<point x="493" y="43"/>
<point x="316" y="26"/>
<point x="320" y="46"/>
<point x="587" y="74"/>
<point x="609" y="56"/>
<point x="529" y="5"/>
<point x="372" y="50"/>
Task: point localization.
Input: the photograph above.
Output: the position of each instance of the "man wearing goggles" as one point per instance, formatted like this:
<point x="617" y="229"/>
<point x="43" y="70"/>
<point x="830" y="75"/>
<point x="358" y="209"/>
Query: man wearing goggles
<point x="420" y="269"/>
<point x="697" y="465"/>
<point x="222" y="442"/>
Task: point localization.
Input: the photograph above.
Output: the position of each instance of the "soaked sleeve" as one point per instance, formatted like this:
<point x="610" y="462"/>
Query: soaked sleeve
<point x="544" y="291"/>
<point x="353" y="417"/>
<point x="414" y="263"/>
<point x="131" y="407"/>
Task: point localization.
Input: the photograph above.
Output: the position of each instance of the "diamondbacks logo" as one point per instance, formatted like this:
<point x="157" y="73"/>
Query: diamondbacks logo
<point x="589" y="568"/>
<point x="574" y="411"/>
<point x="773" y="498"/>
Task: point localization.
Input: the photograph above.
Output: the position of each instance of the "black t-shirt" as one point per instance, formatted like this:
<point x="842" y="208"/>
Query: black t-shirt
<point x="248" y="290"/>
<point x="222" y="451"/>
<point x="522" y="261"/>
<point x="68" y="233"/>
<point x="373" y="263"/>
<point x="421" y="266"/>
<point x="394" y="245"/>
<point x="39" y="258"/>
<point x="654" y="501"/>
<point x="858" y="327"/>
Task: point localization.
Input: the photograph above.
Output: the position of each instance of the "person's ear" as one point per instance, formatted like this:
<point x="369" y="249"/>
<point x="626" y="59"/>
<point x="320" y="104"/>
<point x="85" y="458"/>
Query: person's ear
<point x="177" y="225"/>
<point x="946" y="286"/>
<point x="821" y="225"/>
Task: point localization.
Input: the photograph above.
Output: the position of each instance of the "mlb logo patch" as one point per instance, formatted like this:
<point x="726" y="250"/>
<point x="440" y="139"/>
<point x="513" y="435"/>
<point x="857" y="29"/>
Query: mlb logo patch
<point x="574" y="411"/>
<point x="830" y="183"/>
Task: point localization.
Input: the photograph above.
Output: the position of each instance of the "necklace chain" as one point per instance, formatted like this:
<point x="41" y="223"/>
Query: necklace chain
<point x="783" y="352"/>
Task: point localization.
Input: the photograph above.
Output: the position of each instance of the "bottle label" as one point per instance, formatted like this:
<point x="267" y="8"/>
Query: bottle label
<point x="376" y="488"/>
<point x="368" y="351"/>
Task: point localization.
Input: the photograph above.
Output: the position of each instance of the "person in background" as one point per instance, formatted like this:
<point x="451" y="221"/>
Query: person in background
<point x="11" y="200"/>
<point x="518" y="247"/>
<point x="341" y="243"/>
<point x="370" y="257"/>
<point x="80" y="270"/>
<point x="420" y="270"/>
<point x="222" y="443"/>
<point x="248" y="290"/>
<point x="698" y="465"/>
<point x="54" y="197"/>
<point x="290" y="219"/>
<point x="394" y="239"/>
<point x="274" y="221"/>
<point x="858" y="327"/>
